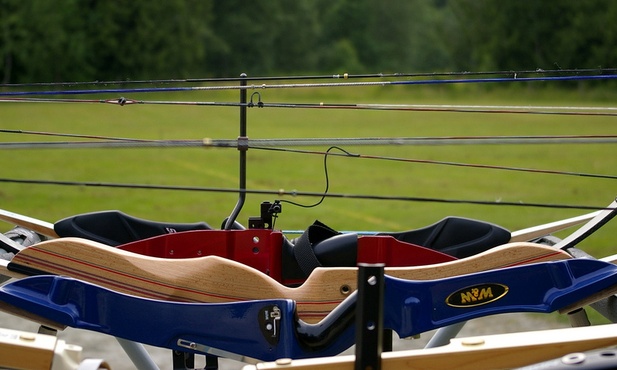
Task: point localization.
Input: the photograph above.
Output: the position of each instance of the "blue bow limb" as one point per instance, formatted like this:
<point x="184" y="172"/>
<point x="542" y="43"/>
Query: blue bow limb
<point x="266" y="330"/>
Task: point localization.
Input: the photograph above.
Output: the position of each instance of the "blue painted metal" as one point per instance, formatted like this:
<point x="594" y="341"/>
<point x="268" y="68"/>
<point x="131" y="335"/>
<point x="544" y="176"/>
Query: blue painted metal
<point x="413" y="308"/>
<point x="248" y="328"/>
<point x="268" y="329"/>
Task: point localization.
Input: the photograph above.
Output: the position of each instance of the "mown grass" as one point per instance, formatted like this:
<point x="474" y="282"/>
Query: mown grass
<point x="276" y="170"/>
<point x="268" y="170"/>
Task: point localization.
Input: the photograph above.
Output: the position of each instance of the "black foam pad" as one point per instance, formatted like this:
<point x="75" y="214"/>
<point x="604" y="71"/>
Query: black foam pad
<point x="116" y="228"/>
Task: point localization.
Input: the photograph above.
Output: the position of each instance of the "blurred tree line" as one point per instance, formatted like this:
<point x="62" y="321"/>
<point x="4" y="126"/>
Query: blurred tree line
<point x="84" y="40"/>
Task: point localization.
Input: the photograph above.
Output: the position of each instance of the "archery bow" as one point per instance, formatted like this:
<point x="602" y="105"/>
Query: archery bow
<point x="167" y="279"/>
<point x="215" y="279"/>
<point x="269" y="329"/>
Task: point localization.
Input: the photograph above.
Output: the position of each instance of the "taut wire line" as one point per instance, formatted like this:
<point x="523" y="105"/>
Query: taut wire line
<point x="319" y="77"/>
<point x="444" y="163"/>
<point x="80" y="136"/>
<point x="115" y="142"/>
<point x="295" y="193"/>
<point x="504" y="109"/>
<point x="122" y="102"/>
<point x="553" y="110"/>
<point x="234" y="144"/>
<point x="308" y="85"/>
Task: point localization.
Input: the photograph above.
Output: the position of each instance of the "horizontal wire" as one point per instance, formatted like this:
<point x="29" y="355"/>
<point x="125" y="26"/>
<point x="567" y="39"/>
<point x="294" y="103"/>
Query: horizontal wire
<point x="295" y="193"/>
<point x="258" y="143"/>
<point x="315" y="77"/>
<point x="271" y="145"/>
<point x="445" y="163"/>
<point x="542" y="110"/>
<point x="80" y="136"/>
<point x="443" y="140"/>
<point x="114" y="142"/>
<point x="309" y="85"/>
<point x="504" y="109"/>
<point x="119" y="101"/>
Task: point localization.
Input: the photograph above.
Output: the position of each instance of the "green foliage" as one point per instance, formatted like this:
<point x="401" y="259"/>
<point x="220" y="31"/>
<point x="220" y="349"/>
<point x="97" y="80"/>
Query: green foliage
<point x="77" y="40"/>
<point x="511" y="34"/>
<point x="42" y="41"/>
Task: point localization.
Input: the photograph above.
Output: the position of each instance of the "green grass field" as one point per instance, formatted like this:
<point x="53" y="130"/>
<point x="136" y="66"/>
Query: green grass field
<point x="269" y="170"/>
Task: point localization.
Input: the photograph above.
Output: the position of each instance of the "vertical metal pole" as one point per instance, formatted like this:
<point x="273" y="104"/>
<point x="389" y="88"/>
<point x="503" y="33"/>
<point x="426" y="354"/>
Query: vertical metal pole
<point x="183" y="360"/>
<point x="369" y="316"/>
<point x="138" y="354"/>
<point x="242" y="147"/>
<point x="443" y="335"/>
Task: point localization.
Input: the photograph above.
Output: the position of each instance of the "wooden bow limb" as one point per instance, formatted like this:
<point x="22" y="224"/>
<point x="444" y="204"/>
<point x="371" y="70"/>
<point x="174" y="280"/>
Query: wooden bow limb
<point x="36" y="225"/>
<point x="501" y="351"/>
<point x="213" y="279"/>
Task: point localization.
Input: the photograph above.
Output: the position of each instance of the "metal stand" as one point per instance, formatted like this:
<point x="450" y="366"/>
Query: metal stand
<point x="443" y="335"/>
<point x="138" y="355"/>
<point x="186" y="361"/>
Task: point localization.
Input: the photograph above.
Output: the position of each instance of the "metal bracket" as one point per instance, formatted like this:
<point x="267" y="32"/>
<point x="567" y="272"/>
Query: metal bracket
<point x="268" y="212"/>
<point x="186" y="361"/>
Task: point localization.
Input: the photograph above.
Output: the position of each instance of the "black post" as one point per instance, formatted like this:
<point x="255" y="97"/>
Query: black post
<point x="242" y="148"/>
<point x="369" y="316"/>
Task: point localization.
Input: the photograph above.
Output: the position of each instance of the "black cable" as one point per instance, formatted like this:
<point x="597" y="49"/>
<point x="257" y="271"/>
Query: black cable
<point x="327" y="178"/>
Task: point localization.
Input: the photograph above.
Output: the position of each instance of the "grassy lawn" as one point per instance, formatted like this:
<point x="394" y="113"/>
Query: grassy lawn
<point x="269" y="170"/>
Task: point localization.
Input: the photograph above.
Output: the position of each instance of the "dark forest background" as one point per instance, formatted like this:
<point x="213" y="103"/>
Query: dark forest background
<point x="85" y="40"/>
